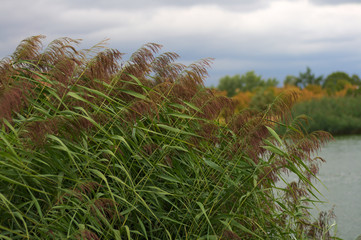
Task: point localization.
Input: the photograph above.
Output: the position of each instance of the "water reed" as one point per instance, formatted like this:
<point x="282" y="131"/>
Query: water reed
<point x="95" y="147"/>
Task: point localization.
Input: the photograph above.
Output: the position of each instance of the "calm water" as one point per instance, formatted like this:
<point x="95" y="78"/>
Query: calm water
<point x="341" y="174"/>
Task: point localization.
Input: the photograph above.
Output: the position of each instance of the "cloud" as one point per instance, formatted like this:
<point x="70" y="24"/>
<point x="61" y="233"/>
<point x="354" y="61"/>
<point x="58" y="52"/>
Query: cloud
<point x="292" y="26"/>
<point x="239" y="34"/>
<point x="335" y="2"/>
<point x="241" y="5"/>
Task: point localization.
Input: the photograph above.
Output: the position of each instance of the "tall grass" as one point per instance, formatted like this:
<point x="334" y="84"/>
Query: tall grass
<point x="341" y="115"/>
<point x="95" y="148"/>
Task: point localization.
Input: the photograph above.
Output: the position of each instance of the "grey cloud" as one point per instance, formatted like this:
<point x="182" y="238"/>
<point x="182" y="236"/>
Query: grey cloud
<point x="271" y="48"/>
<point x="334" y="2"/>
<point x="238" y="5"/>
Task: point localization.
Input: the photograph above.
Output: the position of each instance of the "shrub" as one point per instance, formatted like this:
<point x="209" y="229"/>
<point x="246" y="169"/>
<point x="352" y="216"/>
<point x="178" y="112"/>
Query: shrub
<point x="95" y="148"/>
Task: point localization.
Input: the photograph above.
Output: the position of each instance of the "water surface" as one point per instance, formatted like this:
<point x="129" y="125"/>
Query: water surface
<point x="341" y="174"/>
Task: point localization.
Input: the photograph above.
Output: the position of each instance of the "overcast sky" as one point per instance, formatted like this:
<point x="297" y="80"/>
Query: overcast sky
<point x="272" y="37"/>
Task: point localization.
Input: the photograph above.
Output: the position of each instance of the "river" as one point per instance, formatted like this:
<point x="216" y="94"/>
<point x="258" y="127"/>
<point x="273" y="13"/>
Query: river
<point x="341" y="174"/>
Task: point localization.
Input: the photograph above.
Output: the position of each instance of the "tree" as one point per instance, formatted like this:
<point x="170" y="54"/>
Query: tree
<point x="247" y="82"/>
<point x="262" y="99"/>
<point x="356" y="80"/>
<point x="290" y="80"/>
<point x="230" y="84"/>
<point x="336" y="81"/>
<point x="307" y="78"/>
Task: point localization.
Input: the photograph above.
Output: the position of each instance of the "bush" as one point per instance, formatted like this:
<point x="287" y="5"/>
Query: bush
<point x="97" y="149"/>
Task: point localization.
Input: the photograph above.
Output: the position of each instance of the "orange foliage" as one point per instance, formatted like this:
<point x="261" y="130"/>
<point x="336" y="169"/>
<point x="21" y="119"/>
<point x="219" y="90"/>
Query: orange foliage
<point x="343" y="92"/>
<point x="217" y="92"/>
<point x="312" y="92"/>
<point x="243" y="99"/>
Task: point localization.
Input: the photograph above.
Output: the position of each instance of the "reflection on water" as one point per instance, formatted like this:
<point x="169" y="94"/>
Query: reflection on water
<point x="341" y="174"/>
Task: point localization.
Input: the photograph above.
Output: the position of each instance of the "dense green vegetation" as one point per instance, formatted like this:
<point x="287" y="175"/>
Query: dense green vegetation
<point x="336" y="115"/>
<point x="95" y="148"/>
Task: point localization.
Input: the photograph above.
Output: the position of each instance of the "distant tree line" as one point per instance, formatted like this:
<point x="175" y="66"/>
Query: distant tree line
<point x="331" y="102"/>
<point x="250" y="81"/>
<point x="334" y="82"/>
<point x="246" y="82"/>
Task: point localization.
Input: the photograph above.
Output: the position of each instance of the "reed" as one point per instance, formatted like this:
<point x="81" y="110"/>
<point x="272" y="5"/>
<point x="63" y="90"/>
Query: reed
<point x="93" y="147"/>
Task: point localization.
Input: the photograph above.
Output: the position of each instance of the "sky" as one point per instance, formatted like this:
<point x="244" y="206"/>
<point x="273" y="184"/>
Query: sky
<point x="274" y="38"/>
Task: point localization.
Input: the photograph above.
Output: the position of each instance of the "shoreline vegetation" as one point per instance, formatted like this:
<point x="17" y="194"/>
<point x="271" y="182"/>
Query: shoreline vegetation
<point x="331" y="104"/>
<point x="95" y="147"/>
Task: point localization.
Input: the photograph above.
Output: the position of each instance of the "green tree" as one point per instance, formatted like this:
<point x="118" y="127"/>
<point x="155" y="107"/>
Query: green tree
<point x="336" y="81"/>
<point x="307" y="78"/>
<point x="246" y="82"/>
<point x="290" y="80"/>
<point x="229" y="84"/>
<point x="263" y="98"/>
<point x="356" y="80"/>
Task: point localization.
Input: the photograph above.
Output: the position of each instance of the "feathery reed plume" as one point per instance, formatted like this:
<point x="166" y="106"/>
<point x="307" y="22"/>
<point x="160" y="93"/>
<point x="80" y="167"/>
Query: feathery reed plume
<point x="139" y="62"/>
<point x="104" y="65"/>
<point x="28" y="49"/>
<point x="6" y="71"/>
